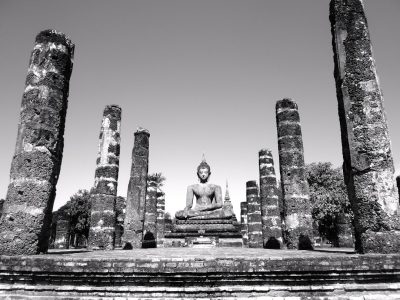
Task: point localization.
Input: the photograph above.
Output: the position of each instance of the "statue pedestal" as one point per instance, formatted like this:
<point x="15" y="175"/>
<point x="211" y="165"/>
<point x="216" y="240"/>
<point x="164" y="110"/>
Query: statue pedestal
<point x="205" y="233"/>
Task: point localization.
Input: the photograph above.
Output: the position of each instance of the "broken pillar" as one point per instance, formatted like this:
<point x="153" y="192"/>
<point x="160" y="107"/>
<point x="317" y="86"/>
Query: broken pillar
<point x="368" y="162"/>
<point x="150" y="216"/>
<point x="27" y="210"/>
<point x="254" y="224"/>
<point x="136" y="198"/>
<point x="104" y="192"/>
<point x="297" y="215"/>
<point x="160" y="218"/>
<point x="243" y="223"/>
<point x="270" y="214"/>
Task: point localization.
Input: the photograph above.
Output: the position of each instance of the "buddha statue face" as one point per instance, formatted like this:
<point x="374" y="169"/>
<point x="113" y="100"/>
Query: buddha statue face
<point x="203" y="172"/>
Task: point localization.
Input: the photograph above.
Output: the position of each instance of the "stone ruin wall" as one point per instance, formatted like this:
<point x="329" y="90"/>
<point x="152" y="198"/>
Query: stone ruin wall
<point x="35" y="167"/>
<point x="103" y="195"/>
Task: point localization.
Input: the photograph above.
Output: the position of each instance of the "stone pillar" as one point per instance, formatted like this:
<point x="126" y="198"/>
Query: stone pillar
<point x="368" y="163"/>
<point x="254" y="224"/>
<point x="103" y="216"/>
<point x="270" y="215"/>
<point x="150" y="216"/>
<point x="136" y="198"/>
<point x="27" y="210"/>
<point x="298" y="220"/>
<point x="160" y="218"/>
<point x="61" y="240"/>
<point x="345" y="231"/>
<point x="243" y="223"/>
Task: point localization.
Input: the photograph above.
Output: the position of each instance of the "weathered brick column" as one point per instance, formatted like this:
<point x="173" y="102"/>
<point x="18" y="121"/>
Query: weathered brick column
<point x="243" y="223"/>
<point x="27" y="210"/>
<point x="136" y="198"/>
<point x="271" y="219"/>
<point x="298" y="220"/>
<point x="103" y="216"/>
<point x="368" y="163"/>
<point x="61" y="240"/>
<point x="160" y="218"/>
<point x="150" y="216"/>
<point x="254" y="224"/>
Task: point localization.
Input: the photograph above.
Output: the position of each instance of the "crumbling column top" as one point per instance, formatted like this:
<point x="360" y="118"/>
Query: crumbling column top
<point x="141" y="130"/>
<point x="57" y="37"/>
<point x="286" y="103"/>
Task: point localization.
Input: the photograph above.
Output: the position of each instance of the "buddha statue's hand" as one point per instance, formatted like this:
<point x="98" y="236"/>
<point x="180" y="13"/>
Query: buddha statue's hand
<point x="185" y="213"/>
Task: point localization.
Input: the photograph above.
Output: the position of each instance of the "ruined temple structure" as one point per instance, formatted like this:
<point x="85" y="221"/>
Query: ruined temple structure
<point x="368" y="163"/>
<point x="270" y="215"/>
<point x="150" y="216"/>
<point x="27" y="210"/>
<point x="103" y="195"/>
<point x="243" y="223"/>
<point x="298" y="229"/>
<point x="160" y="226"/>
<point x="136" y="198"/>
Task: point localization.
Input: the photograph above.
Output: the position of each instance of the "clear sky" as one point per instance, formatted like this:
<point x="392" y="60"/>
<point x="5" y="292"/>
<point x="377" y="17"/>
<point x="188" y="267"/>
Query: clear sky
<point x="203" y="76"/>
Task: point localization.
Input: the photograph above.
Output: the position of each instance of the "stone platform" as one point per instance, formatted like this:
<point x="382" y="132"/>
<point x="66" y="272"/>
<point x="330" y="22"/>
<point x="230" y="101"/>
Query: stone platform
<point x="172" y="273"/>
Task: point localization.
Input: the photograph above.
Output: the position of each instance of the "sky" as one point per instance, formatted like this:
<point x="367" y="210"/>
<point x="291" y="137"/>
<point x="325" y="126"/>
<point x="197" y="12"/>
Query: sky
<point x="203" y="76"/>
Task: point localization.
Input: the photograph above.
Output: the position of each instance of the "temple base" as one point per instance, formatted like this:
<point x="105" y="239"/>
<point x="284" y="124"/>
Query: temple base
<point x="205" y="233"/>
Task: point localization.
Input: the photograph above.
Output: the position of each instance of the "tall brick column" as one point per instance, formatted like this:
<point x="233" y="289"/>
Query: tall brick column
<point x="243" y="223"/>
<point x="368" y="163"/>
<point x="103" y="215"/>
<point x="27" y="210"/>
<point x="136" y="198"/>
<point x="160" y="218"/>
<point x="298" y="220"/>
<point x="254" y="224"/>
<point x="150" y="216"/>
<point x="270" y="215"/>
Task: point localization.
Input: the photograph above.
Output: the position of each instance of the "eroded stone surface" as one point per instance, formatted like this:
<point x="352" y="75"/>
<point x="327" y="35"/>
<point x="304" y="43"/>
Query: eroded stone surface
<point x="254" y="223"/>
<point x="150" y="216"/>
<point x="368" y="163"/>
<point x="103" y="217"/>
<point x="27" y="211"/>
<point x="160" y="226"/>
<point x="270" y="214"/>
<point x="243" y="223"/>
<point x="298" y="231"/>
<point x="136" y="198"/>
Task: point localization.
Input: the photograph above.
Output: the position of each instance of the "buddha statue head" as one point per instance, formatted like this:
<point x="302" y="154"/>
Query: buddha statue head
<point x="203" y="171"/>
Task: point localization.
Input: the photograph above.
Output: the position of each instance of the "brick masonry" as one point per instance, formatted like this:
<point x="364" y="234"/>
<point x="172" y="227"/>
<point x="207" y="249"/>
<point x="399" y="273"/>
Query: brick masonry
<point x="150" y="216"/>
<point x="202" y="273"/>
<point x="160" y="218"/>
<point x="254" y="225"/>
<point x="136" y="198"/>
<point x="298" y="230"/>
<point x="368" y="163"/>
<point x="27" y="210"/>
<point x="103" y="195"/>
<point x="270" y="214"/>
<point x="243" y="223"/>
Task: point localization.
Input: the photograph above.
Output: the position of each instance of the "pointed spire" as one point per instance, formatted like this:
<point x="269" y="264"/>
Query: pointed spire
<point x="227" y="198"/>
<point x="203" y="159"/>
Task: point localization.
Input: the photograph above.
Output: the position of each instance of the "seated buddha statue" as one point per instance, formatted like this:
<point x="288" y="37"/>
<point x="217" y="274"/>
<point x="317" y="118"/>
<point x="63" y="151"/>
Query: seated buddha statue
<point x="208" y="196"/>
